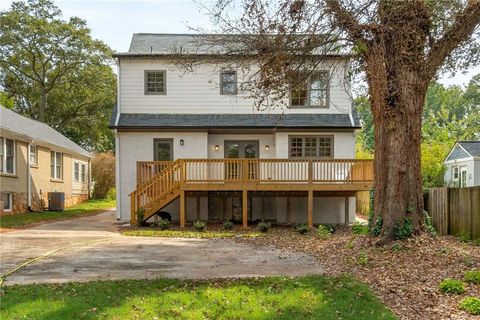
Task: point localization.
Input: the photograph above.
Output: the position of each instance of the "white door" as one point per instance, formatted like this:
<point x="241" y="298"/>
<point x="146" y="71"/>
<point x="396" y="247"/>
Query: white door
<point x="463" y="176"/>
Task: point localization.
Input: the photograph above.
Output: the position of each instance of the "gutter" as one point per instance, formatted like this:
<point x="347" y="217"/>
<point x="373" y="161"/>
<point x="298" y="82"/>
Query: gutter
<point x="29" y="178"/>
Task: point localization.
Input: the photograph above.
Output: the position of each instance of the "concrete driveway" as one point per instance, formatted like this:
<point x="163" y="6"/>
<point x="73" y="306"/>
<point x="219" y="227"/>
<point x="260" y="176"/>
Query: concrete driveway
<point x="113" y="256"/>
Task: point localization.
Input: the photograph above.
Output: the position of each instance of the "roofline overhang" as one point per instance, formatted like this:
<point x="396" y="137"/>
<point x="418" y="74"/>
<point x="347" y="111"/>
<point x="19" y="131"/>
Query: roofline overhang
<point x="218" y="55"/>
<point x="206" y="128"/>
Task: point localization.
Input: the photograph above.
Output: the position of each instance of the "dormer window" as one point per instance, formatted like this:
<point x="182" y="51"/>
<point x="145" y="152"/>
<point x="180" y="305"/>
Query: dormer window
<point x="155" y="82"/>
<point x="311" y="92"/>
<point x="228" y="82"/>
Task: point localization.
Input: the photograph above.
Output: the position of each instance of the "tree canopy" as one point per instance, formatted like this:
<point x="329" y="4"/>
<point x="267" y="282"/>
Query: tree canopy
<point x="54" y="71"/>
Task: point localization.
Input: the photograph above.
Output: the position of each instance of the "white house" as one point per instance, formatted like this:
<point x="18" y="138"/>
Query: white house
<point x="463" y="165"/>
<point x="194" y="145"/>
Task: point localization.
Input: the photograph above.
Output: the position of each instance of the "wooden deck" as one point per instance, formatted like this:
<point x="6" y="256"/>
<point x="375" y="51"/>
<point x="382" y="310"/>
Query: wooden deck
<point x="161" y="182"/>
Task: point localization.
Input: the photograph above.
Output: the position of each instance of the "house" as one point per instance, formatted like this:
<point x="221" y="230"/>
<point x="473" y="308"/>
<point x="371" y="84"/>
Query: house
<point x="35" y="160"/>
<point x="192" y="143"/>
<point x="463" y="165"/>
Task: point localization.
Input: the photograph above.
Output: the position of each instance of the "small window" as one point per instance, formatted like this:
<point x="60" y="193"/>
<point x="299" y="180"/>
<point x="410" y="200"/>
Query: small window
<point x="56" y="165"/>
<point x="455" y="173"/>
<point x="33" y="155"/>
<point x="76" y="171"/>
<point x="7" y="155"/>
<point x="311" y="147"/>
<point x="83" y="173"/>
<point x="228" y="82"/>
<point x="155" y="82"/>
<point x="311" y="92"/>
<point x="7" y="201"/>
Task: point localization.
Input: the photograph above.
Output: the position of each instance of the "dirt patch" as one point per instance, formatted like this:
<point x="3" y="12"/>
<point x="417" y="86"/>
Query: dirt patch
<point x="405" y="275"/>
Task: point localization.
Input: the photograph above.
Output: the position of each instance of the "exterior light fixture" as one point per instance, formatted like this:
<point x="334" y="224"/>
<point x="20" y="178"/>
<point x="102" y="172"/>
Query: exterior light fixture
<point x="267" y="148"/>
<point x="217" y="147"/>
<point x="182" y="142"/>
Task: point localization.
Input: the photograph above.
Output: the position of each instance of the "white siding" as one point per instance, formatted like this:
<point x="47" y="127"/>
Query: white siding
<point x="473" y="172"/>
<point x="199" y="91"/>
<point x="219" y="139"/>
<point x="79" y="187"/>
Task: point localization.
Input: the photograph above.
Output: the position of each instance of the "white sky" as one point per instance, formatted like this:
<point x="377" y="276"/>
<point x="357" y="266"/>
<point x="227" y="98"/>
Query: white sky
<point x="114" y="21"/>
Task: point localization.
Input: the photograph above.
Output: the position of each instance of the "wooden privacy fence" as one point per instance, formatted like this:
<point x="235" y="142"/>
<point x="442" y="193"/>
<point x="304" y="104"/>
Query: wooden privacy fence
<point x="455" y="211"/>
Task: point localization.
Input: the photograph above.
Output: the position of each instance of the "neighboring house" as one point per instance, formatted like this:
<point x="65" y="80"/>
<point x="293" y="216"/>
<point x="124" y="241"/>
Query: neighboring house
<point x="35" y="160"/>
<point x="463" y="165"/>
<point x="194" y="145"/>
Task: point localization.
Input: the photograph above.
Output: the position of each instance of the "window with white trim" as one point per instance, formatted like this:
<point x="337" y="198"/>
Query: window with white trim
<point x="33" y="154"/>
<point x="455" y="173"/>
<point x="311" y="147"/>
<point x="76" y="171"/>
<point x="7" y="155"/>
<point x="7" y="201"/>
<point x="83" y="173"/>
<point x="228" y="82"/>
<point x="311" y="92"/>
<point x="56" y="165"/>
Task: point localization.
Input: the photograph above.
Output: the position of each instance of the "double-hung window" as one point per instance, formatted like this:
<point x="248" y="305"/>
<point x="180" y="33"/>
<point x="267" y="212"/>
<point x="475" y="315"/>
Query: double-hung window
<point x="228" y="82"/>
<point x="7" y="155"/>
<point x="83" y="173"/>
<point x="56" y="165"/>
<point x="311" y="147"/>
<point x="155" y="82"/>
<point x="76" y="171"/>
<point x="310" y="92"/>
<point x="33" y="155"/>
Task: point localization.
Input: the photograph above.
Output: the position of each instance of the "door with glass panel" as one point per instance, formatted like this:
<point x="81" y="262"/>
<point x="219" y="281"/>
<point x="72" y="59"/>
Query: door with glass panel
<point x="240" y="149"/>
<point x="162" y="151"/>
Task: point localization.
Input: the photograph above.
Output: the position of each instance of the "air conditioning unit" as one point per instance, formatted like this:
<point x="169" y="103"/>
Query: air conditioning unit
<point x="56" y="201"/>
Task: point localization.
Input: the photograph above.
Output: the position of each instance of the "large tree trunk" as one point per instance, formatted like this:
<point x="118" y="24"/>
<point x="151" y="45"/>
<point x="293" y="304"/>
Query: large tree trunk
<point x="43" y="105"/>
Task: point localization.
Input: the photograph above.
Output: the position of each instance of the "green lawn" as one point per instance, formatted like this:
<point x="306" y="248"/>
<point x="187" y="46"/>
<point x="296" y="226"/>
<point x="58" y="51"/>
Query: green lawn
<point x="315" y="297"/>
<point x="24" y="219"/>
<point x="189" y="234"/>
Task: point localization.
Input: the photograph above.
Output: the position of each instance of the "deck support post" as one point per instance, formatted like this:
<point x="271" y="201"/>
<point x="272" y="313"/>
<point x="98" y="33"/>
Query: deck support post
<point x="288" y="218"/>
<point x="347" y="211"/>
<point x="310" y="208"/>
<point x="182" y="209"/>
<point x="244" y="208"/>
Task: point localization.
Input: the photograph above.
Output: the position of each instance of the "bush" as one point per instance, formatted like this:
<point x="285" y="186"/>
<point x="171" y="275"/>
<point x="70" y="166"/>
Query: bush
<point x="358" y="228"/>
<point x="397" y="247"/>
<point x="362" y="258"/>
<point x="200" y="225"/>
<point x="452" y="286"/>
<point x="376" y="228"/>
<point x="140" y="216"/>
<point x="429" y="223"/>
<point x="301" y="228"/>
<point x="228" y="225"/>
<point x="323" y="232"/>
<point x="111" y="194"/>
<point x="472" y="276"/>
<point x="471" y="305"/>
<point x="163" y="224"/>
<point x="103" y="174"/>
<point x="464" y="237"/>
<point x="263" y="226"/>
<point x="404" y="230"/>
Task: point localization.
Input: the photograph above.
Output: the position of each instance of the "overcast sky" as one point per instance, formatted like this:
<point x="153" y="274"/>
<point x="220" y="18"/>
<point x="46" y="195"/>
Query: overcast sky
<point x="114" y="21"/>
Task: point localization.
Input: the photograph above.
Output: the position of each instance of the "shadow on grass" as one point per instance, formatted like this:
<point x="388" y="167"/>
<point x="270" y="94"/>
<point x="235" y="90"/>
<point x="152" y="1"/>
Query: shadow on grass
<point x="313" y="297"/>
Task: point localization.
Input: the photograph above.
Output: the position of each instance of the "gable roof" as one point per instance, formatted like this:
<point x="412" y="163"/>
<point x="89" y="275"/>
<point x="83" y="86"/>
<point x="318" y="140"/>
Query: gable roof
<point x="472" y="147"/>
<point x="37" y="131"/>
<point x="165" y="44"/>
<point x="234" y="121"/>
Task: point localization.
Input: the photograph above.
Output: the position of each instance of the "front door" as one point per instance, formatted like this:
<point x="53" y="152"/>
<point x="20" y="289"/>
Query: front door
<point x="163" y="149"/>
<point x="463" y="176"/>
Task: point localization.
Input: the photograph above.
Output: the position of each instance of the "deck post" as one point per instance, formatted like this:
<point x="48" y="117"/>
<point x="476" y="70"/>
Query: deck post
<point x="347" y="211"/>
<point x="310" y="208"/>
<point x="244" y="208"/>
<point x="133" y="219"/>
<point x="182" y="208"/>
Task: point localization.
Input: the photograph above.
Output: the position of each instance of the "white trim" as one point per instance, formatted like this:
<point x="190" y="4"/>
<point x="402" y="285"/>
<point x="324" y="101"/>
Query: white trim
<point x="118" y="93"/>
<point x="4" y="151"/>
<point x="453" y="148"/>
<point x="55" y="177"/>
<point x="10" y="198"/>
<point x="117" y="174"/>
<point x="29" y="175"/>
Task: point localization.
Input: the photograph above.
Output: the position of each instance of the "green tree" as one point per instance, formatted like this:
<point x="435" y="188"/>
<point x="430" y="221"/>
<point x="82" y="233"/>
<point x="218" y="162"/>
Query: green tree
<point x="55" y="72"/>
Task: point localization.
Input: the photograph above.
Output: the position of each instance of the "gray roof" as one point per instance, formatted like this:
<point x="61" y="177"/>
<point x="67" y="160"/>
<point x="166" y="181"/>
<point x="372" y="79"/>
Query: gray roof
<point x="472" y="147"/>
<point x="158" y="44"/>
<point x="37" y="131"/>
<point x="234" y="121"/>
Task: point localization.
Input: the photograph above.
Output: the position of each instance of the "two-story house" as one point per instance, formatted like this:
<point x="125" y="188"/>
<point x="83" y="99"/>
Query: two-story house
<point x="35" y="160"/>
<point x="192" y="143"/>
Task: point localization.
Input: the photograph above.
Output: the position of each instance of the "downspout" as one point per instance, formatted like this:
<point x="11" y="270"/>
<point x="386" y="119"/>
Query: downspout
<point x="118" y="195"/>
<point x="29" y="179"/>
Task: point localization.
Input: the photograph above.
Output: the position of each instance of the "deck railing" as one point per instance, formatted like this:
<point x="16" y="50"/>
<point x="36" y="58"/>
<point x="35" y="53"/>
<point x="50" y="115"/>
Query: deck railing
<point x="147" y="169"/>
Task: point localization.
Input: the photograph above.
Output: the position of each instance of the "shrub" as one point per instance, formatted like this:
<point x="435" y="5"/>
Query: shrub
<point x="362" y="258"/>
<point x="429" y="223"/>
<point x="263" y="226"/>
<point x="464" y="236"/>
<point x="301" y="228"/>
<point x="200" y="225"/>
<point x="140" y="216"/>
<point x="375" y="228"/>
<point x="111" y="194"/>
<point x="228" y="225"/>
<point x="163" y="224"/>
<point x="103" y="174"/>
<point x="323" y="232"/>
<point x="472" y="276"/>
<point x="358" y="228"/>
<point x="471" y="305"/>
<point x="397" y="247"/>
<point x="404" y="230"/>
<point x="452" y="286"/>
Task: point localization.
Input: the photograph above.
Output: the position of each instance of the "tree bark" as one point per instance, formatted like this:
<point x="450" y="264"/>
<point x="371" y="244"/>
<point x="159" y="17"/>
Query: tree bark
<point x="43" y="105"/>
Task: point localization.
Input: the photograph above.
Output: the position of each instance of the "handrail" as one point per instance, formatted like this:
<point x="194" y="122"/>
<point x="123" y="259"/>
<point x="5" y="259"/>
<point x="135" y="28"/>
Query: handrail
<point x="148" y="169"/>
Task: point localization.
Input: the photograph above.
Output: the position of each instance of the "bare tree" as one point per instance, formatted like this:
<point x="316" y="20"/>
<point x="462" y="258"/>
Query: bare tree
<point x="400" y="46"/>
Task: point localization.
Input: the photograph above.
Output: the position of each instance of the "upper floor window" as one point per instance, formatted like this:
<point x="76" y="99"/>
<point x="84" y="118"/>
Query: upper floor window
<point x="56" y="165"/>
<point x="7" y="155"/>
<point x="228" y="82"/>
<point x="155" y="82"/>
<point x="33" y="155"/>
<point x="311" y="147"/>
<point x="311" y="92"/>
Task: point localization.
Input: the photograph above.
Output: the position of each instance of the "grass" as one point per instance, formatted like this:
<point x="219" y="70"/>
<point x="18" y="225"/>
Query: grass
<point x="314" y="297"/>
<point x="30" y="218"/>
<point x="188" y="234"/>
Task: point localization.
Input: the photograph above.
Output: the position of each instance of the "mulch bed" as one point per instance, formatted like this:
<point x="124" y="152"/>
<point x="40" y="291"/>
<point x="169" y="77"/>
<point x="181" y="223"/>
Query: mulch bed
<point x="405" y="274"/>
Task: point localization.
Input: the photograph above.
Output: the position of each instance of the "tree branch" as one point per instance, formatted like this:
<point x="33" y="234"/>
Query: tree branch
<point x="346" y="21"/>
